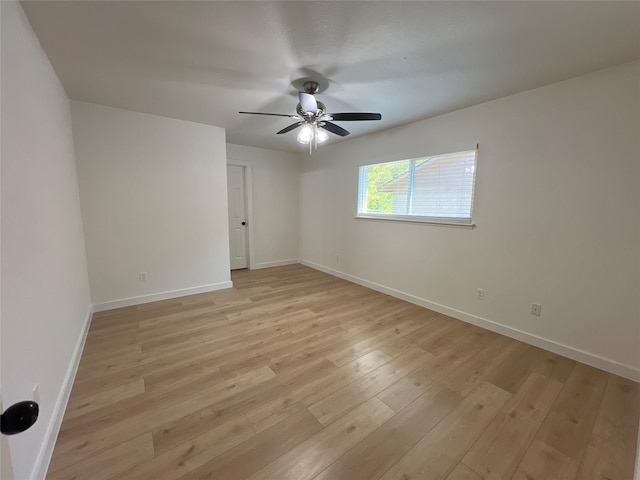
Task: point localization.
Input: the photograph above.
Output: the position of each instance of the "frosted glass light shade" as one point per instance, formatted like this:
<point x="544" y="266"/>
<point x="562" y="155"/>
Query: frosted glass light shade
<point x="305" y="135"/>
<point x="322" y="135"/>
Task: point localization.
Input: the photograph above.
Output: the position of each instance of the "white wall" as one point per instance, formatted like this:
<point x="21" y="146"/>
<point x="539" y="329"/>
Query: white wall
<point x="557" y="197"/>
<point x="154" y="199"/>
<point x="45" y="290"/>
<point x="274" y="176"/>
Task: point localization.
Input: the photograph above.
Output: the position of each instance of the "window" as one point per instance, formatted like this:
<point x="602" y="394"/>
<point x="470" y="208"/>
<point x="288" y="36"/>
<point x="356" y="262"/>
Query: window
<point x="432" y="189"/>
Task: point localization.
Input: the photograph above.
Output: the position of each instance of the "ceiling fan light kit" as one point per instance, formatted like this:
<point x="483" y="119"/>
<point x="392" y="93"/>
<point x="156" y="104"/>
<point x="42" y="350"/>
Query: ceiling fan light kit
<point x="312" y="116"/>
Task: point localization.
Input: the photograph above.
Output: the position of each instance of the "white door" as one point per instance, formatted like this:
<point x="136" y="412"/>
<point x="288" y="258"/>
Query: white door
<point x="237" y="217"/>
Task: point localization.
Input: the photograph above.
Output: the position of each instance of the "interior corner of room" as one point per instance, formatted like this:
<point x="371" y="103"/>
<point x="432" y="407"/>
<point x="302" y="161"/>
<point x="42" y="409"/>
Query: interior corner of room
<point x="105" y="207"/>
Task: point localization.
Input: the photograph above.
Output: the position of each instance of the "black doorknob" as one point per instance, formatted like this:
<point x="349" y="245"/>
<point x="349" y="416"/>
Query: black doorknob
<point x="244" y="223"/>
<point x="19" y="417"/>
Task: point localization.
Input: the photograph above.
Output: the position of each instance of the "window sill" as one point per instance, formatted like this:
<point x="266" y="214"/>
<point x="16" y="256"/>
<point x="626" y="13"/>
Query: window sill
<point x="436" y="223"/>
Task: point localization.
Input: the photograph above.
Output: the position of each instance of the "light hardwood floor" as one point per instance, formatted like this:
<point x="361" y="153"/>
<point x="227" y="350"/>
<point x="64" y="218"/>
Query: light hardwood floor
<point x="295" y="374"/>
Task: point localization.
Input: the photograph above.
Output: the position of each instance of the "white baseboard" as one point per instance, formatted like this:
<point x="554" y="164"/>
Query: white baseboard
<point x="597" y="361"/>
<point x="154" y="297"/>
<point x="46" y="450"/>
<point x="280" y="263"/>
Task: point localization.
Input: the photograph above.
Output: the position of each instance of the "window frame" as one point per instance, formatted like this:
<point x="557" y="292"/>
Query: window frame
<point x="420" y="219"/>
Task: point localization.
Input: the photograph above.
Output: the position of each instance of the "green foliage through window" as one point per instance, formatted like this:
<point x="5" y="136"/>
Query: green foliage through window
<point x="379" y="175"/>
<point x="436" y="187"/>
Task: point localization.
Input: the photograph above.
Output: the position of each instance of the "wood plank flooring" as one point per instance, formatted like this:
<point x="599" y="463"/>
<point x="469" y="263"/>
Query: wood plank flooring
<point x="295" y="374"/>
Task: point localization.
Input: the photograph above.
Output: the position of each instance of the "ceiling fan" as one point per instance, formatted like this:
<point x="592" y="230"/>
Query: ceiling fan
<point x="312" y="116"/>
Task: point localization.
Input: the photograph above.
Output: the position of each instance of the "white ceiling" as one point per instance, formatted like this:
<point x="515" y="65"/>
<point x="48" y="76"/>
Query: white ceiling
<point x="205" y="61"/>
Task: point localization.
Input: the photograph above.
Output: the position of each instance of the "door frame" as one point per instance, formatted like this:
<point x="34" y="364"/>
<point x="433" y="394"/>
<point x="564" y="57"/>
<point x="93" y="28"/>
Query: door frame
<point x="248" y="204"/>
<point x="6" y="463"/>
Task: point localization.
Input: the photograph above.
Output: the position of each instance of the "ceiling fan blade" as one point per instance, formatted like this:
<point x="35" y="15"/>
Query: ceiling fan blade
<point x="333" y="128"/>
<point x="293" y="126"/>
<point x="271" y="114"/>
<point x="354" y="117"/>
<point x="308" y="102"/>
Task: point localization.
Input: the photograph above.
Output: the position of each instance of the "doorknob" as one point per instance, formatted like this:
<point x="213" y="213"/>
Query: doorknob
<point x="244" y="223"/>
<point x="19" y="417"/>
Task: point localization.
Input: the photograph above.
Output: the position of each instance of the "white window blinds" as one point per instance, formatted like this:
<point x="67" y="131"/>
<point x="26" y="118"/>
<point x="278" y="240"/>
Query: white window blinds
<point x="437" y="188"/>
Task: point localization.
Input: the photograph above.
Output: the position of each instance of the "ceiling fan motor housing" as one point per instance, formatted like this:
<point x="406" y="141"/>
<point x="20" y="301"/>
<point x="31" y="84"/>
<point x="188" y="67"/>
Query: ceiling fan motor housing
<point x="310" y="115"/>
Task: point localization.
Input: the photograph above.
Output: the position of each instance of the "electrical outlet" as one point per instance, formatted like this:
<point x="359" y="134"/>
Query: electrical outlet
<point x="143" y="276"/>
<point x="36" y="393"/>
<point x="480" y="293"/>
<point x="536" y="309"/>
